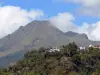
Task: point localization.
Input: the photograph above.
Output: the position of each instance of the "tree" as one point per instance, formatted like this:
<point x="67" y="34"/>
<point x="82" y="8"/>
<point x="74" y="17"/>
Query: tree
<point x="72" y="49"/>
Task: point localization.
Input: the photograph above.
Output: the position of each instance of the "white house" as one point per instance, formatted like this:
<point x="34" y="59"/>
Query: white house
<point x="54" y="49"/>
<point x="91" y="46"/>
<point x="82" y="48"/>
<point x="95" y="46"/>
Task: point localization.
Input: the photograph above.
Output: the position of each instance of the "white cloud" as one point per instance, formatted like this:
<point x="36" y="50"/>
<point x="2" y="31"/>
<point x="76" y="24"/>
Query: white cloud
<point x="88" y="7"/>
<point x="12" y="17"/>
<point x="86" y="3"/>
<point x="95" y="31"/>
<point x="64" y="21"/>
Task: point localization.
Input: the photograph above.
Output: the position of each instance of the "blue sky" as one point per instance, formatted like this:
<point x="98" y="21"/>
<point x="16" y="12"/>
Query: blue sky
<point x="80" y="16"/>
<point x="51" y="8"/>
<point x="48" y="6"/>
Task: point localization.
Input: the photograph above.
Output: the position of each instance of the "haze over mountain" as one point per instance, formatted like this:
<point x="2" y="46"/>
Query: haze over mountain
<point x="35" y="35"/>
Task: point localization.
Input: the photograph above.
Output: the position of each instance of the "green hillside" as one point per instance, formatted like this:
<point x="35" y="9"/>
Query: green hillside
<point x="69" y="61"/>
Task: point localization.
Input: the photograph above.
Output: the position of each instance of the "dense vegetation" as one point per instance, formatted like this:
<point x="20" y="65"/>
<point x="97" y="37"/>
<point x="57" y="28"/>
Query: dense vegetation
<point x="69" y="61"/>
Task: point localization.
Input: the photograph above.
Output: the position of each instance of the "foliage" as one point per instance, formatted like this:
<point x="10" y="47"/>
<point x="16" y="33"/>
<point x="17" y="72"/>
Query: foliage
<point x="69" y="61"/>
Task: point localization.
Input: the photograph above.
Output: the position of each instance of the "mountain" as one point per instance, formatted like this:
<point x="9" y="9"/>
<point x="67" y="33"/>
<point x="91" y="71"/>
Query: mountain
<point x="79" y="39"/>
<point x="71" y="34"/>
<point x="35" y="35"/>
<point x="74" y="34"/>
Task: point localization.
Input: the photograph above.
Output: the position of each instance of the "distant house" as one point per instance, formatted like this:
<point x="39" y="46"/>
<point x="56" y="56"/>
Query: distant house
<point x="91" y="46"/>
<point x="54" y="49"/>
<point x="82" y="48"/>
<point x="95" y="46"/>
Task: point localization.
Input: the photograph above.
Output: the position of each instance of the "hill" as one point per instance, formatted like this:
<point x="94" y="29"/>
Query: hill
<point x="68" y="61"/>
<point x="35" y="35"/>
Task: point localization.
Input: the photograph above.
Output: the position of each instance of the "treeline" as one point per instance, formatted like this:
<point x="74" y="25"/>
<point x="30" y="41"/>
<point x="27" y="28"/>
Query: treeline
<point x="68" y="61"/>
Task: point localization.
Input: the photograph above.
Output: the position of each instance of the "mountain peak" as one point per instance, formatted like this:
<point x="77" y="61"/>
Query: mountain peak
<point x="37" y="21"/>
<point x="71" y="34"/>
<point x="74" y="34"/>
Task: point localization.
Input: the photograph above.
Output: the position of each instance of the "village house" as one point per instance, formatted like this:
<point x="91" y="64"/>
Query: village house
<point x="82" y="48"/>
<point x="91" y="46"/>
<point x="54" y="49"/>
<point x="95" y="46"/>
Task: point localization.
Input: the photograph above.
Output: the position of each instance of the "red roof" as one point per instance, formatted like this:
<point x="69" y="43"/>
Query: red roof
<point x="97" y="46"/>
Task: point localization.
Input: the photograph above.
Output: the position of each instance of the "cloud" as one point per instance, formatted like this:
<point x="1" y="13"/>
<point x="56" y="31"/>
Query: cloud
<point x="94" y="34"/>
<point x="87" y="7"/>
<point x="65" y="22"/>
<point x="12" y="17"/>
<point x="86" y="3"/>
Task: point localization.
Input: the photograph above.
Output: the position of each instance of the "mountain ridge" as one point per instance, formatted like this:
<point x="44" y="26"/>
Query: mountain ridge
<point x="34" y="32"/>
<point x="38" y="34"/>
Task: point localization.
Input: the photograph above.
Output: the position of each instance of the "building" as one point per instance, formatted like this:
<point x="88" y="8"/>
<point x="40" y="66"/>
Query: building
<point x="95" y="46"/>
<point x="91" y="46"/>
<point x="54" y="49"/>
<point x="82" y="48"/>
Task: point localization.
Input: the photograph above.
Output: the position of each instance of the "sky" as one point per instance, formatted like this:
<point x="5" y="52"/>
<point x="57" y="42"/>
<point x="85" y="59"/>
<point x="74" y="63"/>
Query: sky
<point x="82" y="16"/>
